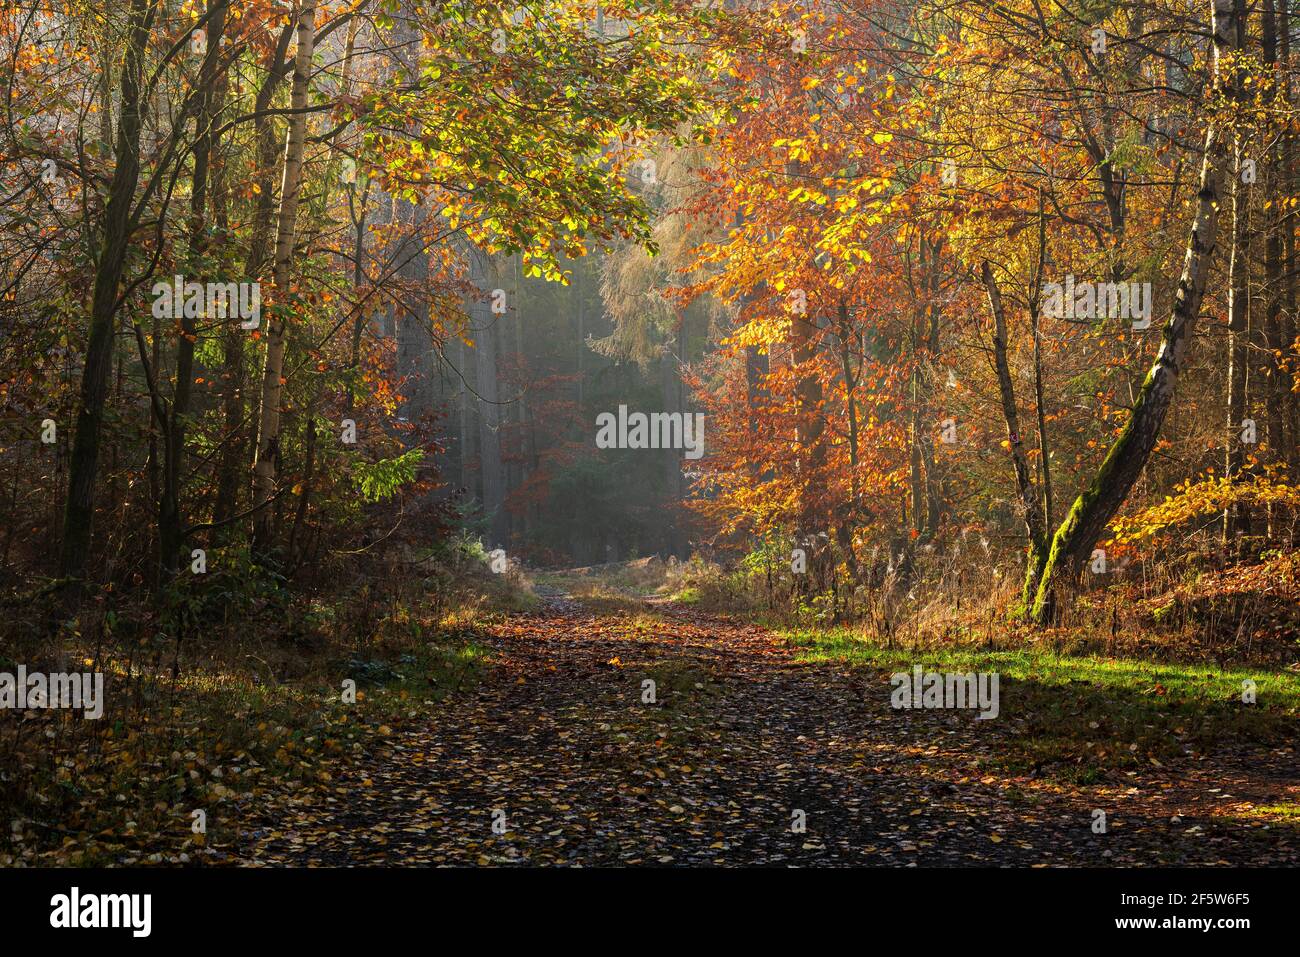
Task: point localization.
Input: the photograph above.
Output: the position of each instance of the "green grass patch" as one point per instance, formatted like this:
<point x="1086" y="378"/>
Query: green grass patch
<point x="433" y="670"/>
<point x="690" y="595"/>
<point x="1082" y="716"/>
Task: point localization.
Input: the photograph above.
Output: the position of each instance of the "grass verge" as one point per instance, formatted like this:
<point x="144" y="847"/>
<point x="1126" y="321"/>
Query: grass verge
<point x="1083" y="717"/>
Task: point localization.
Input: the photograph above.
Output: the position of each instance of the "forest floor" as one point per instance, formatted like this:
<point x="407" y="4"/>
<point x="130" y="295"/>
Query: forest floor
<point x="555" y="757"/>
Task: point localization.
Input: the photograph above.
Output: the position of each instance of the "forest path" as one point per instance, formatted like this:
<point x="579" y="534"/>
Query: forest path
<point x="740" y="737"/>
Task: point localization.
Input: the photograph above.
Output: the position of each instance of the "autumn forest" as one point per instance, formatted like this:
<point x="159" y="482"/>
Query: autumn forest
<point x="681" y="433"/>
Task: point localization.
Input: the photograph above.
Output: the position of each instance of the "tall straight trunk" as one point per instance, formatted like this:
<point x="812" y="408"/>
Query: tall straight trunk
<point x="357" y="209"/>
<point x="670" y="384"/>
<point x="1287" y="224"/>
<point x="1035" y="525"/>
<point x="1128" y="455"/>
<point x="269" y="159"/>
<point x="756" y="370"/>
<point x="915" y="428"/>
<point x="415" y="364"/>
<point x="810" y="423"/>
<point x="485" y="349"/>
<point x="266" y="462"/>
<point x="1044" y="451"/>
<point x="83" y="467"/>
<point x="1277" y="391"/>
<point x="465" y="418"/>
<point x="916" y="476"/>
<point x="1236" y="519"/>
<point x="579" y="300"/>
<point x="411" y="313"/>
<point x="523" y="409"/>
<point x="925" y="486"/>
<point x="847" y="525"/>
<point x="850" y="396"/>
<point x="518" y="463"/>
<point x="308" y="474"/>
<point x="358" y="280"/>
<point x="231" y="461"/>
<point x="1035" y="314"/>
<point x="935" y="502"/>
<point x="171" y="518"/>
<point x="232" y="472"/>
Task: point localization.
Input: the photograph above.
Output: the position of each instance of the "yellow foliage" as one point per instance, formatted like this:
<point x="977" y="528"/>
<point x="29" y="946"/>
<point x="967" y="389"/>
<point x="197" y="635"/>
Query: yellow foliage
<point x="1201" y="499"/>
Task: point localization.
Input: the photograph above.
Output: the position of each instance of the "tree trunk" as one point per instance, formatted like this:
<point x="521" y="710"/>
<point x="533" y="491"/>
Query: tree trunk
<point x="524" y="416"/>
<point x="269" y="152"/>
<point x="415" y="365"/>
<point x="1287" y="224"/>
<point x="1236" y="520"/>
<point x="671" y="391"/>
<point x="308" y="474"/>
<point x="1277" y="391"/>
<point x="935" y="501"/>
<point x="809" y="427"/>
<point x="1128" y="455"/>
<point x="79" y="508"/>
<point x="465" y="418"/>
<point x="171" y="519"/>
<point x="266" y="462"/>
<point x="847" y="525"/>
<point x="1035" y="314"/>
<point x="234" y="462"/>
<point x="358" y="207"/>
<point x="230" y="481"/>
<point x="485" y="349"/>
<point x="1035" y="525"/>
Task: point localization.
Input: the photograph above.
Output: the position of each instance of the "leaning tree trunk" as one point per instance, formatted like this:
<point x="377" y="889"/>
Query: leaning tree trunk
<point x="267" y="457"/>
<point x="1127" y="456"/>
<point x="80" y="505"/>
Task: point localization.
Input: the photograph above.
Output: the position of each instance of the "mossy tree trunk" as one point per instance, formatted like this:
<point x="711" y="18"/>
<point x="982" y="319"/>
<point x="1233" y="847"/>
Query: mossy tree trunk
<point x="1093" y="509"/>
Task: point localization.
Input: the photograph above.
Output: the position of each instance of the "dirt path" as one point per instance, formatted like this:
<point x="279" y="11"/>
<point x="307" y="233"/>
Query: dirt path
<point x="739" y="738"/>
